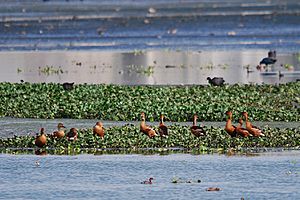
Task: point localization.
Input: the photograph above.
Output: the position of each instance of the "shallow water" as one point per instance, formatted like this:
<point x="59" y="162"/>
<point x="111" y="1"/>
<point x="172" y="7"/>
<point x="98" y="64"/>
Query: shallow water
<point x="161" y="67"/>
<point x="19" y="126"/>
<point x="93" y="41"/>
<point x="264" y="176"/>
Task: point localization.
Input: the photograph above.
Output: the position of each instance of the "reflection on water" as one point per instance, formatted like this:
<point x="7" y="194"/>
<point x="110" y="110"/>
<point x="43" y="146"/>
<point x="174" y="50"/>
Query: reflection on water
<point x="150" y="67"/>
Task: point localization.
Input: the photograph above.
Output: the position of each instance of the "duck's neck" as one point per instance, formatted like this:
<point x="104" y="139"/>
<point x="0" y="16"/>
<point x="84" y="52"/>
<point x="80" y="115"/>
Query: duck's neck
<point x="61" y="129"/>
<point x="228" y="123"/>
<point x="161" y="121"/>
<point x="195" y="121"/>
<point x="143" y="122"/>
<point x="239" y="125"/>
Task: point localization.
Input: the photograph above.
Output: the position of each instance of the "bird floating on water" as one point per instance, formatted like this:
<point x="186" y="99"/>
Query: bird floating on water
<point x="148" y="181"/>
<point x="213" y="189"/>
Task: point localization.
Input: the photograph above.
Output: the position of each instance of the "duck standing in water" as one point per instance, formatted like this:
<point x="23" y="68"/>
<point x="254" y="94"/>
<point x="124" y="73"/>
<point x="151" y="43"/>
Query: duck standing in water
<point x="216" y="81"/>
<point x="242" y="131"/>
<point x="72" y="134"/>
<point x="255" y="131"/>
<point x="41" y="140"/>
<point x="148" y="181"/>
<point x="150" y="132"/>
<point x="197" y="130"/>
<point x="162" y="129"/>
<point x="98" y="129"/>
<point x="60" y="133"/>
<point x="229" y="128"/>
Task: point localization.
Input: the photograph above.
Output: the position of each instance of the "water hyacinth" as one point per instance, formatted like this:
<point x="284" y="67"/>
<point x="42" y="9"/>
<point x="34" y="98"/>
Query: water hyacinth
<point x="125" y="103"/>
<point x="130" y="137"/>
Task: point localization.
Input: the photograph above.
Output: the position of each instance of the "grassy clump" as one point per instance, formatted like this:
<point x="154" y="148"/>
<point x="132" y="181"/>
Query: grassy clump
<point x="178" y="103"/>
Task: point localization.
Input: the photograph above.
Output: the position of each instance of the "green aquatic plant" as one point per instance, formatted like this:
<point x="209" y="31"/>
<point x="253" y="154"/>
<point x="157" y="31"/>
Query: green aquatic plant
<point x="48" y="70"/>
<point x="125" y="103"/>
<point x="129" y="137"/>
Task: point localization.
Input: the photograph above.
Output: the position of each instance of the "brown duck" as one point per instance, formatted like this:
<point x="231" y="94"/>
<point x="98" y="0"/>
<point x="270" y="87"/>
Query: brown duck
<point x="98" y="130"/>
<point x="150" y="132"/>
<point x="72" y="134"/>
<point x="240" y="130"/>
<point x="195" y="129"/>
<point x="60" y="133"/>
<point x="255" y="131"/>
<point x="229" y="128"/>
<point x="162" y="129"/>
<point x="41" y="140"/>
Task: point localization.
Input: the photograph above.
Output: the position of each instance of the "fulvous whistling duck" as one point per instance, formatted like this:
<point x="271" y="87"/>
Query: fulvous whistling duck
<point x="148" y="182"/>
<point x="72" y="134"/>
<point x="197" y="130"/>
<point x="216" y="81"/>
<point x="98" y="129"/>
<point x="242" y="131"/>
<point x="41" y="139"/>
<point x="146" y="129"/>
<point x="162" y="129"/>
<point x="60" y="133"/>
<point x="229" y="128"/>
<point x="255" y="131"/>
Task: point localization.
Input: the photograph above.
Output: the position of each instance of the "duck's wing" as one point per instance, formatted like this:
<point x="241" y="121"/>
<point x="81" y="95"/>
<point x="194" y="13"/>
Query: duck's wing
<point x="163" y="130"/>
<point x="198" y="130"/>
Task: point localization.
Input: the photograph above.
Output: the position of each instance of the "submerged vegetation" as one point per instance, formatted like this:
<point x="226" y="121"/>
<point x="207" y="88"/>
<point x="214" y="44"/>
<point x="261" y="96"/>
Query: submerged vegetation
<point x="129" y="137"/>
<point x="178" y="103"/>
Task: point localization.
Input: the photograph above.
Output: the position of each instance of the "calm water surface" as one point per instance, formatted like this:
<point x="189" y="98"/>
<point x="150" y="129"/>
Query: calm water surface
<point x="161" y="67"/>
<point x="263" y="176"/>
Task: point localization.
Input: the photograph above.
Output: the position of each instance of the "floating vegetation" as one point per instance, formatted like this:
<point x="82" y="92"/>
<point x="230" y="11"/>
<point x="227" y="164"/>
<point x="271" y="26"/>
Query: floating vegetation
<point x="125" y="103"/>
<point x="137" y="52"/>
<point x="223" y="66"/>
<point x="288" y="66"/>
<point x="130" y="137"/>
<point x="141" y="69"/>
<point x="48" y="70"/>
<point x="149" y="70"/>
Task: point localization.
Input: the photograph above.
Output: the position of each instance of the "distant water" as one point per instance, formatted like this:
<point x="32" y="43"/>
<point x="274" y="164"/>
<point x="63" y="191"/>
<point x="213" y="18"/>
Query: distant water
<point x="152" y="42"/>
<point x="260" y="176"/>
<point x="152" y="24"/>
